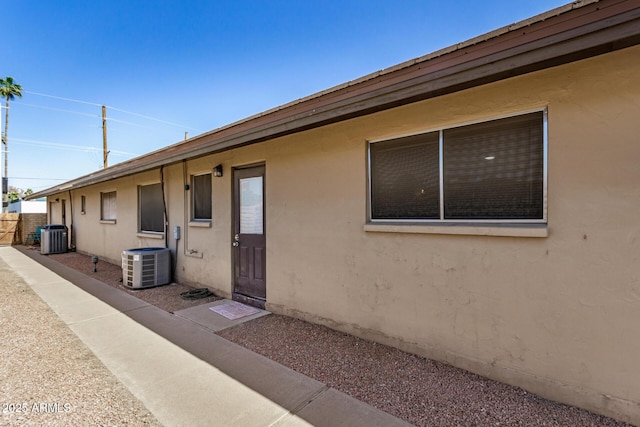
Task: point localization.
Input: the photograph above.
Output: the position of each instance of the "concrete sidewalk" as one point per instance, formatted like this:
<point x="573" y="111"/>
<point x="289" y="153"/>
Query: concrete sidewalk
<point x="179" y="369"/>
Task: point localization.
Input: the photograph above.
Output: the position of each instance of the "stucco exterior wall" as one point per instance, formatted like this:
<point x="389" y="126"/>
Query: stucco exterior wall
<point x="557" y="315"/>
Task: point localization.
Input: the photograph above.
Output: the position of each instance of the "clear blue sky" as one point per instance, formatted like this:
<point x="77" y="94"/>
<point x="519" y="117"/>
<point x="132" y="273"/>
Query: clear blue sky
<point x="192" y="66"/>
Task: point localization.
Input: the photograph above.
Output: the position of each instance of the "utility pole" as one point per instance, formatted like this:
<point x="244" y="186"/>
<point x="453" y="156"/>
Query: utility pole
<point x="105" y="153"/>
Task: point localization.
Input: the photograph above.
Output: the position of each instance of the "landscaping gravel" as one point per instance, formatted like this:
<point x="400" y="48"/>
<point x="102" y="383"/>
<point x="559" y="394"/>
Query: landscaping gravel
<point x="165" y="297"/>
<point x="418" y="390"/>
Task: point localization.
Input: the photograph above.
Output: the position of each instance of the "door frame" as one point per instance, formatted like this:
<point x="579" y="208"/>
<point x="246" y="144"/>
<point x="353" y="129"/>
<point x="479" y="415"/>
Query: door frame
<point x="260" y="169"/>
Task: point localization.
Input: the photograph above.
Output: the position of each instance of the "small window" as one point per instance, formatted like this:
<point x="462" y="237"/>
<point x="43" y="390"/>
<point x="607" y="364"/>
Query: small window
<point x="201" y="197"/>
<point x="491" y="171"/>
<point x="151" y="208"/>
<point x="108" y="206"/>
<point x="83" y="205"/>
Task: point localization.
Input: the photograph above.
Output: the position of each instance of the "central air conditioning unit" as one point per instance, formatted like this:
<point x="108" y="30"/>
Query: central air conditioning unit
<point x="146" y="267"/>
<point x="53" y="239"/>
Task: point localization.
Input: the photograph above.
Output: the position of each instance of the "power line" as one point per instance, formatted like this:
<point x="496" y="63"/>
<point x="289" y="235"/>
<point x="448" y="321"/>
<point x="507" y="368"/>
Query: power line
<point x="94" y="116"/>
<point x="39" y="179"/>
<point x="37" y="187"/>
<point x="129" y="123"/>
<point x="37" y="143"/>
<point x="61" y="110"/>
<point x="64" y="99"/>
<point x="153" y="118"/>
<point x="109" y="107"/>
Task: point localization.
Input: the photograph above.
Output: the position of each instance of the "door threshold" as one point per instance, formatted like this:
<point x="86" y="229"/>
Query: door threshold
<point x="252" y="301"/>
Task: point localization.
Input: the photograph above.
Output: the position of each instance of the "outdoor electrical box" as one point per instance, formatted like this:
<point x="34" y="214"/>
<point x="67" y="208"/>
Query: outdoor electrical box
<point x="176" y="232"/>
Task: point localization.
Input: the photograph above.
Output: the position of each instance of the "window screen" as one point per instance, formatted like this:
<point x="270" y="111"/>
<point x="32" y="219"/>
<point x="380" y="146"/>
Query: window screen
<point x="201" y="196"/>
<point x="405" y="178"/>
<point x="494" y="170"/>
<point x="107" y="206"/>
<point x="151" y="208"/>
<point x="490" y="171"/>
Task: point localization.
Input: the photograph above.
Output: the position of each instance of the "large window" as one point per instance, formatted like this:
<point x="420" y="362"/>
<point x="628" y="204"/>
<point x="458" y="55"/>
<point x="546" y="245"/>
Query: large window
<point x="201" y="197"/>
<point x="151" y="208"/>
<point x="107" y="206"/>
<point x="491" y="171"/>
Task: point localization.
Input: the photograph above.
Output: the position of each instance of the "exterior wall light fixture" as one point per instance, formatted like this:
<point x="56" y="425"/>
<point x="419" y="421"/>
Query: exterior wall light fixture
<point x="217" y="171"/>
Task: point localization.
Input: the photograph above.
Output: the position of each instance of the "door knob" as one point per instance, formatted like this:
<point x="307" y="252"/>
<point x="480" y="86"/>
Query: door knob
<point x="236" y="244"/>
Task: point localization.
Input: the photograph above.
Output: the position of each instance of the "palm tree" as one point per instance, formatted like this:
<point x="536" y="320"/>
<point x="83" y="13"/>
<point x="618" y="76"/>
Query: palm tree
<point x="8" y="90"/>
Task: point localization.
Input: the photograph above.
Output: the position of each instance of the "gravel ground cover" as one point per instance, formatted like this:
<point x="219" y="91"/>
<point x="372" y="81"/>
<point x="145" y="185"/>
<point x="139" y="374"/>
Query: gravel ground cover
<point x="421" y="391"/>
<point x="48" y="377"/>
<point x="165" y="297"/>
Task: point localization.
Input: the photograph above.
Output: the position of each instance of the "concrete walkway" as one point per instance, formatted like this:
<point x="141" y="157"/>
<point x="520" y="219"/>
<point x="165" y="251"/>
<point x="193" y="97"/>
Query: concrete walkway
<point x="177" y="367"/>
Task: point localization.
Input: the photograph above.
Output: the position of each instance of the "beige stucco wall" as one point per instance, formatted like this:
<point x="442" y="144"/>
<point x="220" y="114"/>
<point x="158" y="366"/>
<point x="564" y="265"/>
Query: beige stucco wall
<point x="544" y="312"/>
<point x="557" y="315"/>
<point x="203" y="252"/>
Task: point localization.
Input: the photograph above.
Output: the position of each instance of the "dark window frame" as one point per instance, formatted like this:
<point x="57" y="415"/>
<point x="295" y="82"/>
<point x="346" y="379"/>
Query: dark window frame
<point x="406" y="192"/>
<point x="202" y="197"/>
<point x="151" y="209"/>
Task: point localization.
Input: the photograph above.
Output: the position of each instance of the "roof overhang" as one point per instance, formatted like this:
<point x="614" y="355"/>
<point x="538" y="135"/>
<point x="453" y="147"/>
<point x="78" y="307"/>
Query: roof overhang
<point x="569" y="33"/>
